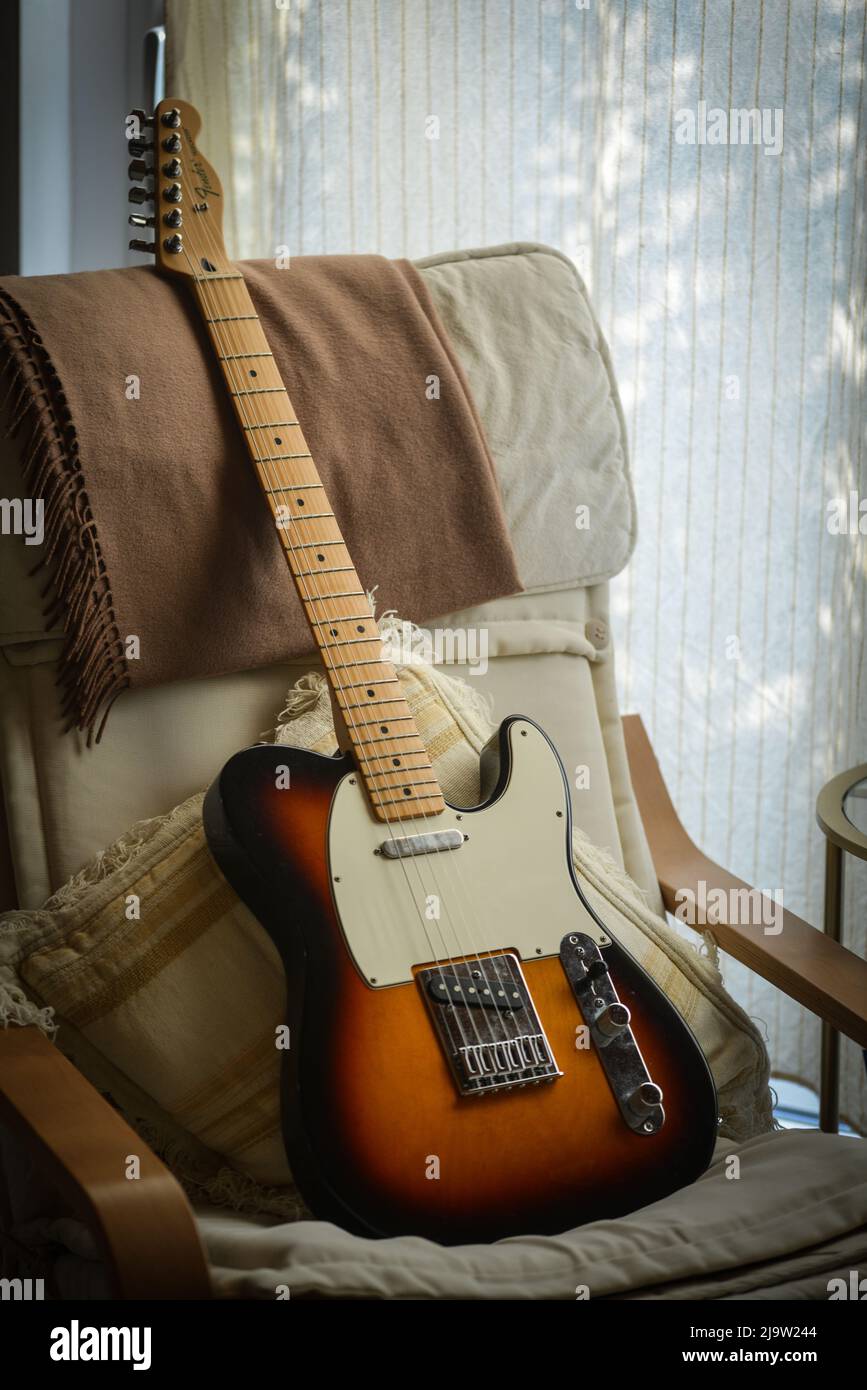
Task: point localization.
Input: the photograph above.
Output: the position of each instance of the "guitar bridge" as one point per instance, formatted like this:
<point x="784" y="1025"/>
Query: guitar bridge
<point x="488" y="1025"/>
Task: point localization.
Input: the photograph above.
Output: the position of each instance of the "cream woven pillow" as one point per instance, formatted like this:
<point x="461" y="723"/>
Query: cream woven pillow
<point x="168" y="993"/>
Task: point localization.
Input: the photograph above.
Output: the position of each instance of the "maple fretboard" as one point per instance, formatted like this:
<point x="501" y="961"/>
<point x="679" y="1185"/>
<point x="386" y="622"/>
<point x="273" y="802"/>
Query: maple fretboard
<point x="391" y="757"/>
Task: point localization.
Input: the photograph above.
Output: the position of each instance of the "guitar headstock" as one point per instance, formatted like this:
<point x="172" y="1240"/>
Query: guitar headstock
<point x="186" y="198"/>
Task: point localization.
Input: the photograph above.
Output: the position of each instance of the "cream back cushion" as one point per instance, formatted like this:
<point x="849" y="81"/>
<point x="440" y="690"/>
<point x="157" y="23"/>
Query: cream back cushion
<point x="65" y="803"/>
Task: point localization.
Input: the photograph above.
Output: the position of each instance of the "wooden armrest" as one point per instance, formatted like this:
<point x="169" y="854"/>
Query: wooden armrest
<point x="143" y="1226"/>
<point x="801" y="961"/>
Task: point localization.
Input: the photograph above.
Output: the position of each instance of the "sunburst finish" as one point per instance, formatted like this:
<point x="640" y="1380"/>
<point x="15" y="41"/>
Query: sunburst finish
<point x="376" y="1132"/>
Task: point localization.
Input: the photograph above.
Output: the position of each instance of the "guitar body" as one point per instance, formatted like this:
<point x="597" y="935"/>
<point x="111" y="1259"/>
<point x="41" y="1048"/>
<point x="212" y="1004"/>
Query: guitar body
<point x="378" y="1133"/>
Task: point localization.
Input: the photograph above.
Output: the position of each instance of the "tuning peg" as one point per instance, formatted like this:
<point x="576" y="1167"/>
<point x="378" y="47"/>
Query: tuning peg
<point x="173" y="193"/>
<point x="141" y="116"/>
<point x="138" y="245"/>
<point x="138" y="169"/>
<point x="136" y="220"/>
<point x="174" y="244"/>
<point x="140" y="195"/>
<point x="139" y="147"/>
<point x="171" y="144"/>
<point x="171" y="118"/>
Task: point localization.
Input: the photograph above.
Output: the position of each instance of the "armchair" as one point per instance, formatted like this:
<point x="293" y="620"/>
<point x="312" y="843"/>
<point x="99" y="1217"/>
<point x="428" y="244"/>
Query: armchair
<point x="549" y="654"/>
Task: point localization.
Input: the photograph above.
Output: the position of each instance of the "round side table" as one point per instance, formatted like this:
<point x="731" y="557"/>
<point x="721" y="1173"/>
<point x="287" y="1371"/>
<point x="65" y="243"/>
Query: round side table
<point x="841" y="810"/>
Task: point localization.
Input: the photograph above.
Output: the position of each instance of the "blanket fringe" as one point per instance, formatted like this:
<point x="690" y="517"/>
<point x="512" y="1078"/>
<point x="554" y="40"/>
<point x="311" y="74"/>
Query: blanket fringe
<point x="77" y="594"/>
<point x="16" y="1008"/>
<point x="221" y="1186"/>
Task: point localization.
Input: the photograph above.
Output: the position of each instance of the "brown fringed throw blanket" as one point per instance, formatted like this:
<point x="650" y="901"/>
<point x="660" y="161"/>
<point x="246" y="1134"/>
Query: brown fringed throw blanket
<point x="154" y="524"/>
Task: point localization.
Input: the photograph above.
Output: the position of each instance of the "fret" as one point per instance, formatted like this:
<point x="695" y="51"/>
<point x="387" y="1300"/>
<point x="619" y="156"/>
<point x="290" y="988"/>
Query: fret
<point x="403" y="780"/>
<point x="394" y="719"/>
<point x="293" y="487"/>
<point x="359" y="685"/>
<point x="375" y="778"/>
<point x="216" y="275"/>
<point x="375" y="704"/>
<point x="340" y="618"/>
<point x="393" y="738"/>
<point x="321" y="588"/>
<point x="311" y="516"/>
<point x="293" y="456"/>
<point x="241" y="356"/>
<point x="347" y="665"/>
<point x="330" y="569"/>
<point x="314" y="545"/>
<point x="258" y="391"/>
<point x="403" y="765"/>
<point x="410" y="791"/>
<point x="271" y="425"/>
<point x="232" y="318"/>
<point x="341" y="593"/>
<point x="395" y="800"/>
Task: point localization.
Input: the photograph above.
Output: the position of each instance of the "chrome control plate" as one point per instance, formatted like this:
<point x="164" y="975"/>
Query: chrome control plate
<point x="638" y="1097"/>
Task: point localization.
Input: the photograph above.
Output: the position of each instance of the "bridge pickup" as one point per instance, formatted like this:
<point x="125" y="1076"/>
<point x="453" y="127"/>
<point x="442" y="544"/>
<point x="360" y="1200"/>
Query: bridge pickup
<point x="434" y="842"/>
<point x="447" y="987"/>
<point x="638" y="1097"/>
<point x="487" y="1024"/>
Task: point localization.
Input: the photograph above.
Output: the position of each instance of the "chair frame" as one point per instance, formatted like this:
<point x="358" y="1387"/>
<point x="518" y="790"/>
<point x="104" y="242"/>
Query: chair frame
<point x="145" y="1230"/>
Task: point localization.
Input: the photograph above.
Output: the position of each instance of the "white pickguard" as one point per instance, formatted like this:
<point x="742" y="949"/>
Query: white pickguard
<point x="506" y="888"/>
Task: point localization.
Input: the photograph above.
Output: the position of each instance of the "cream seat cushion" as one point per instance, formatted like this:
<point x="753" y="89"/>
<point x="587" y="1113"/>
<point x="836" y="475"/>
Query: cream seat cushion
<point x="718" y="1239"/>
<point x="794" y="1221"/>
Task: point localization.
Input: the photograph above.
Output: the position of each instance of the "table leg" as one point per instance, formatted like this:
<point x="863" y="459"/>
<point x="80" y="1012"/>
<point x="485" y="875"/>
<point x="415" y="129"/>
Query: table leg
<point x="829" y="1092"/>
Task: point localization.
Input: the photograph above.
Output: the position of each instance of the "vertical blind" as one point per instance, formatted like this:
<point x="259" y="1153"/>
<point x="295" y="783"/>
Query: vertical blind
<point x="703" y="165"/>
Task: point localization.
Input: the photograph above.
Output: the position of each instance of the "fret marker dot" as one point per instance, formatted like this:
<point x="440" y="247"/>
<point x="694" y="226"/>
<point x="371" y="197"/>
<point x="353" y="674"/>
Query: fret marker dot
<point x="320" y="557"/>
<point x="278" y="441"/>
<point x="371" y="693"/>
<point x="300" y="501"/>
<point x="396" y="762"/>
<point x="333" y="631"/>
<point x="253" y="372"/>
<point x="406" y="791"/>
<point x="359" y="629"/>
<point x="383" y="728"/>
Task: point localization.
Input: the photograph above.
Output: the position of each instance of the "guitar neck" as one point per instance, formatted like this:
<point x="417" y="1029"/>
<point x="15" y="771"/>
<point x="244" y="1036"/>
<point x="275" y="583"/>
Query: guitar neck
<point x="389" y="753"/>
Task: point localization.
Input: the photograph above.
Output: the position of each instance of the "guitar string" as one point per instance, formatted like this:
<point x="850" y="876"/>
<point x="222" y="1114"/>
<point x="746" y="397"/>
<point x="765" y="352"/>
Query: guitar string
<point x="302" y="562"/>
<point x="283" y="490"/>
<point x="425" y="817"/>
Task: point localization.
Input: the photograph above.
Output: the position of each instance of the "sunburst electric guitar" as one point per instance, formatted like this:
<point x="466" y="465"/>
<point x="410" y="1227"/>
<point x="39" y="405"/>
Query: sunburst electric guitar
<point x="472" y="1054"/>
